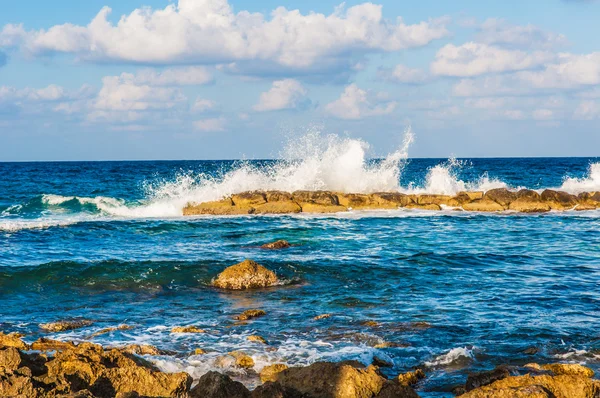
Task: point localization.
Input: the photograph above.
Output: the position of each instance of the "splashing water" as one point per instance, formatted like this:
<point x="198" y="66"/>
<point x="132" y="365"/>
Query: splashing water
<point x="591" y="183"/>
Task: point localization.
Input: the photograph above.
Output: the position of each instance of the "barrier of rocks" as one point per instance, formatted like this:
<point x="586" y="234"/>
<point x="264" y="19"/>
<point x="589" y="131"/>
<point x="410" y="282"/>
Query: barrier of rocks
<point x="495" y="200"/>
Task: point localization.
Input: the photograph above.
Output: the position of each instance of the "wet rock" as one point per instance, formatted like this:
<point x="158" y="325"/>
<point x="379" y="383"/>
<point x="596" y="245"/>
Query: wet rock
<point x="485" y="205"/>
<point x="585" y="207"/>
<point x="431" y="206"/>
<point x="249" y="199"/>
<point x="249" y="314"/>
<point x="199" y="351"/>
<point x="502" y="196"/>
<point x="45" y="344"/>
<point x="110" y="329"/>
<point x="278" y="202"/>
<point x="381" y="363"/>
<point x="269" y="373"/>
<point x="257" y="339"/>
<point x="245" y="275"/>
<point x="371" y="324"/>
<point x="216" y="208"/>
<point x="558" y="200"/>
<point x="355" y="201"/>
<point x="561" y="386"/>
<point x="531" y="351"/>
<point x="484" y="378"/>
<point x="318" y="202"/>
<point x="322" y="316"/>
<point x="437" y="200"/>
<point x="393" y="389"/>
<point x="142" y="381"/>
<point x="588" y="200"/>
<point x="468" y="196"/>
<point x="242" y="360"/>
<point x="280" y="244"/>
<point x="187" y="329"/>
<point x="63" y="326"/>
<point x="12" y="340"/>
<point x="141" y="349"/>
<point x="217" y="385"/>
<point x="410" y="378"/>
<point x="391" y="200"/>
<point x="390" y="344"/>
<point x="275" y="390"/>
<point x="529" y="201"/>
<point x="327" y="380"/>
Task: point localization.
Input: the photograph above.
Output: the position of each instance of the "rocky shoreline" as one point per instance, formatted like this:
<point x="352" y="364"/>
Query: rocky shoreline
<point x="494" y="200"/>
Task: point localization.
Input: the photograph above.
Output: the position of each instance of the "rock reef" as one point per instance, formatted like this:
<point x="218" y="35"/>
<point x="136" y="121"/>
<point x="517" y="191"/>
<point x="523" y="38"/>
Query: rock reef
<point x="494" y="200"/>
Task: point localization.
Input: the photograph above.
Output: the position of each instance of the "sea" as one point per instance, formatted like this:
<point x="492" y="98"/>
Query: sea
<point x="446" y="291"/>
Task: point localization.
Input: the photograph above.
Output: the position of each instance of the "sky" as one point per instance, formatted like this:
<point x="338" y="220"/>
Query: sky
<point x="241" y="79"/>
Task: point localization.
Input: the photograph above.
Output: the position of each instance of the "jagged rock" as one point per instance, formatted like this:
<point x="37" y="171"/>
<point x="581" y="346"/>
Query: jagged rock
<point x="249" y="314"/>
<point x="318" y="202"/>
<point x="141" y="349"/>
<point x="437" y="200"/>
<point x="245" y="275"/>
<point x="332" y="380"/>
<point x="10" y="359"/>
<point x="391" y="200"/>
<point x="216" y="208"/>
<point x="322" y="316"/>
<point x="217" y="385"/>
<point x="486" y="205"/>
<point x="558" y="200"/>
<point x="199" y="351"/>
<point x="17" y="385"/>
<point x="393" y="389"/>
<point x="257" y="339"/>
<point x="12" y="340"/>
<point x="249" y="199"/>
<point x="110" y="329"/>
<point x="382" y="363"/>
<point x="280" y="244"/>
<point x="187" y="329"/>
<point x="529" y="201"/>
<point x="45" y="344"/>
<point x="278" y="203"/>
<point x="140" y="380"/>
<point x="275" y="390"/>
<point x="484" y="378"/>
<point x="431" y="206"/>
<point x="502" y="196"/>
<point x="564" y="369"/>
<point x="411" y="378"/>
<point x="63" y="326"/>
<point x="242" y="360"/>
<point x="268" y="373"/>
<point x="531" y="351"/>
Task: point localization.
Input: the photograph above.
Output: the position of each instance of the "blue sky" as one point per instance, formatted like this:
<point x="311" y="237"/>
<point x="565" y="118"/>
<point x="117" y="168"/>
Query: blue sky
<point x="212" y="79"/>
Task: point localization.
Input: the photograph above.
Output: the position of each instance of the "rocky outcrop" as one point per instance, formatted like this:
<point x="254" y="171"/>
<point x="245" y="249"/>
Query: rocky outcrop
<point x="277" y="245"/>
<point x="245" y="275"/>
<point x="499" y="199"/>
<point x="551" y="381"/>
<point x="217" y="385"/>
<point x="12" y="340"/>
<point x="249" y="314"/>
<point x="269" y="373"/>
<point x="63" y="326"/>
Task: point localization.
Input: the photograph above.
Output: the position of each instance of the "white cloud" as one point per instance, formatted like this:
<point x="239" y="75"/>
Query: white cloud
<point x="355" y="103"/>
<point x="473" y="59"/>
<point x="49" y="93"/>
<point x="543" y="114"/>
<point x="203" y="105"/>
<point x="187" y="76"/>
<point x="587" y="110"/>
<point x="207" y="31"/>
<point x="497" y="31"/>
<point x="404" y="74"/>
<point x="485" y="103"/>
<point x="210" y="125"/>
<point x="285" y="94"/>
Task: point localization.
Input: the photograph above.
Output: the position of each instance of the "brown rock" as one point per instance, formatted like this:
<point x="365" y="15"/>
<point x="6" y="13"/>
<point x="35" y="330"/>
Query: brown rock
<point x="242" y="360"/>
<point x="111" y="329"/>
<point x="568" y="369"/>
<point x="585" y="207"/>
<point x="431" y="206"/>
<point x="141" y="349"/>
<point x="533" y="391"/>
<point x="332" y="380"/>
<point x="486" y="205"/>
<point x="217" y="385"/>
<point x="484" y="378"/>
<point x="249" y="199"/>
<point x="467" y="196"/>
<point x="559" y="200"/>
<point x="411" y="378"/>
<point x="269" y="373"/>
<point x="142" y="381"/>
<point x="12" y="340"/>
<point x="249" y="314"/>
<point x="199" y="351"/>
<point x="529" y="201"/>
<point x="217" y="208"/>
<point x="590" y="200"/>
<point x="393" y="389"/>
<point x="45" y="344"/>
<point x="275" y="390"/>
<point x="10" y="359"/>
<point x="63" y="326"/>
<point x="17" y="385"/>
<point x="245" y="275"/>
<point x="278" y="196"/>
<point x="187" y="329"/>
<point x="357" y="201"/>
<point x="391" y="200"/>
<point x="290" y="207"/>
<point x="446" y="200"/>
<point x="318" y="202"/>
<point x="502" y="196"/>
<point x="257" y="339"/>
<point x="280" y="244"/>
<point x="382" y="363"/>
<point x="322" y="316"/>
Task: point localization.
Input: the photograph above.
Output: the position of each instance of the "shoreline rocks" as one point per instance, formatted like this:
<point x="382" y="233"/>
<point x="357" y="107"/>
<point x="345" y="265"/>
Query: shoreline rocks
<point x="245" y="275"/>
<point x="324" y="202"/>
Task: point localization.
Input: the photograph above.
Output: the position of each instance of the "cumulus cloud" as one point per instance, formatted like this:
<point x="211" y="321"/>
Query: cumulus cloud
<point x="473" y="59"/>
<point x="355" y="103"/>
<point x="121" y="93"/>
<point x="210" y="125"/>
<point x="496" y="31"/>
<point x="404" y="74"/>
<point x="202" y="105"/>
<point x="209" y="32"/>
<point x="284" y="94"/>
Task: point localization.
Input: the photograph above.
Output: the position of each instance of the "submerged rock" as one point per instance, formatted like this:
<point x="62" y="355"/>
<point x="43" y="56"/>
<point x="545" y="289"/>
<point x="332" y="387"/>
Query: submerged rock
<point x="322" y="316"/>
<point x="187" y="329"/>
<point x="245" y="275"/>
<point x="280" y="244"/>
<point x="249" y="314"/>
<point x="63" y="326"/>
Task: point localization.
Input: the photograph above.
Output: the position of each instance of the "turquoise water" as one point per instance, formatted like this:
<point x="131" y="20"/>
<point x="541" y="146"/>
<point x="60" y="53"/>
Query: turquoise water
<point x="458" y="292"/>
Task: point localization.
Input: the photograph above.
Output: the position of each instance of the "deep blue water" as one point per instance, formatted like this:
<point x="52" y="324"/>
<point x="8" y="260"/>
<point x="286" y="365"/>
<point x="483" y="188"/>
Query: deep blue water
<point x="101" y="241"/>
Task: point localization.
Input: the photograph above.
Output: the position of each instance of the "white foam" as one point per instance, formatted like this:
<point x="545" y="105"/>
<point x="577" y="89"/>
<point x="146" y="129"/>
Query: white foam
<point x="19" y="225"/>
<point x="452" y="356"/>
<point x="590" y="183"/>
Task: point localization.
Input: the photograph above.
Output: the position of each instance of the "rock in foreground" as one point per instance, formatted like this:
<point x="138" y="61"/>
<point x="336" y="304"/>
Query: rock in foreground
<point x="245" y="275"/>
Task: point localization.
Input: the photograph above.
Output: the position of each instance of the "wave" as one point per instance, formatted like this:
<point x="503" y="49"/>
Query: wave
<point x="456" y="357"/>
<point x="590" y="183"/>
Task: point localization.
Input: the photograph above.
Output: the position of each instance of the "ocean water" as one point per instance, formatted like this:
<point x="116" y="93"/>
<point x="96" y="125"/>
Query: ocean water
<point x="458" y="292"/>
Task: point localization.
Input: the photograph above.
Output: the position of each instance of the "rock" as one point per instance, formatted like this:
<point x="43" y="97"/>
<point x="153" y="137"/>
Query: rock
<point x="561" y="386"/>
<point x="242" y="360"/>
<point x="111" y="329"/>
<point x="393" y="389"/>
<point x="199" y="351"/>
<point x="356" y="201"/>
<point x="275" y="390"/>
<point x="17" y="385"/>
<point x="318" y="202"/>
<point x="12" y="340"/>
<point x="382" y="363"/>
<point x="322" y="316"/>
<point x="531" y="351"/>
<point x="486" y="205"/>
<point x="589" y="200"/>
<point x="141" y="349"/>
<point x="249" y="314"/>
<point x="529" y="201"/>
<point x="217" y="385"/>
<point x="278" y="208"/>
<point x="142" y="381"/>
<point x="389" y="344"/>
<point x="411" y="378"/>
<point x="45" y="344"/>
<point x="216" y="208"/>
<point x="280" y="244"/>
<point x="568" y="369"/>
<point x="332" y="380"/>
<point x="431" y="206"/>
<point x="268" y="373"/>
<point x="558" y="200"/>
<point x="10" y="359"/>
<point x="245" y="275"/>
<point x="371" y="324"/>
<point x="257" y="339"/>
<point x="249" y="199"/>
<point x="468" y="196"/>
<point x="484" y="378"/>
<point x="437" y="200"/>
<point x="502" y="196"/>
<point x="63" y="326"/>
<point x="391" y="200"/>
<point x="187" y="329"/>
<point x="585" y="207"/>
